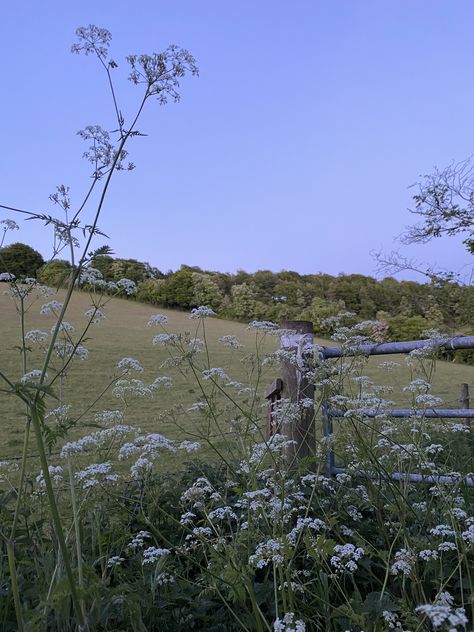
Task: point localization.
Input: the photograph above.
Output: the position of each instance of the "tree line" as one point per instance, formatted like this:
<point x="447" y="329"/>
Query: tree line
<point x="403" y="309"/>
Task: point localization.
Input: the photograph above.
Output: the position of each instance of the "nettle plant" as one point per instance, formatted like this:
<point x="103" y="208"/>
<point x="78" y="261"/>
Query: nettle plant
<point x="232" y="533"/>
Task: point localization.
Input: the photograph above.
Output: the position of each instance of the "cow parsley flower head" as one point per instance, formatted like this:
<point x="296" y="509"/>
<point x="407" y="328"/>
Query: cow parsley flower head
<point x="32" y="377"/>
<point x="95" y="315"/>
<point x="231" y="342"/>
<point x="36" y="336"/>
<point x="63" y="326"/>
<point x="7" y="277"/>
<point x="202" y="312"/>
<point x="404" y="561"/>
<point x="96" y="473"/>
<point x="270" y="551"/>
<point x="153" y="554"/>
<point x="138" y="540"/>
<point x="128" y="286"/>
<point x="9" y="224"/>
<point x="51" y="308"/>
<point x="468" y="535"/>
<point x="345" y="557"/>
<point x="289" y="624"/>
<point x="55" y="473"/>
<point x="157" y="319"/>
<point x="189" y="446"/>
<point x="440" y="615"/>
<point x="129" y="364"/>
<point x="264" y="326"/>
<point x="114" y="561"/>
<point x="215" y="373"/>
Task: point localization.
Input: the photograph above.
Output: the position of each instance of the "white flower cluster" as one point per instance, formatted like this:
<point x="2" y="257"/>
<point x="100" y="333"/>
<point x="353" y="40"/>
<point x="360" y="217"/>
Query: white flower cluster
<point x="9" y="224"/>
<point x="129" y="364"/>
<point x="312" y="524"/>
<point x="51" y="308"/>
<point x="36" y="335"/>
<point x="129" y="287"/>
<point x="96" y="473"/>
<point x="264" y="327"/>
<point x="7" y="277"/>
<point x="468" y="535"/>
<point x="221" y="513"/>
<point x="215" y="373"/>
<point x="32" y="377"/>
<point x="199" y="491"/>
<point x="115" y="560"/>
<point x="231" y="342"/>
<point x="95" y="315"/>
<point x="345" y="557"/>
<point x="96" y="440"/>
<point x="55" y="473"/>
<point x="157" y="319"/>
<point x="270" y="551"/>
<point x="440" y="615"/>
<point x="202" y="312"/>
<point x="138" y="540"/>
<point x="153" y="554"/>
<point x="404" y="561"/>
<point x="289" y="624"/>
<point x="62" y="326"/>
<point x="65" y="349"/>
<point x="108" y="417"/>
<point x="131" y="388"/>
<point x="166" y="339"/>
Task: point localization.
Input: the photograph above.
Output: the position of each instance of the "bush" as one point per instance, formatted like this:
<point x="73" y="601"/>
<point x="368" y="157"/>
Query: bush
<point x="20" y="260"/>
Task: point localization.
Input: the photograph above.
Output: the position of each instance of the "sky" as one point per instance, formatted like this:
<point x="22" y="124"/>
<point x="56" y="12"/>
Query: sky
<point x="293" y="150"/>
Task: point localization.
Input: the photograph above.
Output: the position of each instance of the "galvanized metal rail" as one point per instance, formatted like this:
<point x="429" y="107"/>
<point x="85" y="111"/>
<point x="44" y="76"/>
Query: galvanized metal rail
<point x="389" y="348"/>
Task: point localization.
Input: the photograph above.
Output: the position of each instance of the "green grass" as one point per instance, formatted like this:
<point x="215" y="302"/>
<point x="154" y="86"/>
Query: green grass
<point x="125" y="333"/>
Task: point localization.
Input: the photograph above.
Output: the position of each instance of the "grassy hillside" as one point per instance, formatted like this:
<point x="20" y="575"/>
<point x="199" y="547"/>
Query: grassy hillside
<point x="124" y="333"/>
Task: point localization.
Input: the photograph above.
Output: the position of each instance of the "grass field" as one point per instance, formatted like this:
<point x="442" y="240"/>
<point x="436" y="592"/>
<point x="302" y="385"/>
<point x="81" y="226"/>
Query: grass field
<point x="124" y="333"/>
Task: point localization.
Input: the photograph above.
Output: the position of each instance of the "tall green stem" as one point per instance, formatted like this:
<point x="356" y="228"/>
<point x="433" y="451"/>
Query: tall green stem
<point x="35" y="418"/>
<point x="15" y="591"/>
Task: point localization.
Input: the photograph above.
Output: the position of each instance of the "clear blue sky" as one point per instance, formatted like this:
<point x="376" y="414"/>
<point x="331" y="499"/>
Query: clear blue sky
<point x="292" y="150"/>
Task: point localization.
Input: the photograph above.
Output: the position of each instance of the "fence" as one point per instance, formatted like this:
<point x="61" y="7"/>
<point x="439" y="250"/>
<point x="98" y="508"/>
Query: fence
<point x="295" y="387"/>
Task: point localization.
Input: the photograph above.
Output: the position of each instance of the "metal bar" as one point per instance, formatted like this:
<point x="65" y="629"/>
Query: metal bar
<point x="429" y="413"/>
<point x="459" y="342"/>
<point x="413" y="478"/>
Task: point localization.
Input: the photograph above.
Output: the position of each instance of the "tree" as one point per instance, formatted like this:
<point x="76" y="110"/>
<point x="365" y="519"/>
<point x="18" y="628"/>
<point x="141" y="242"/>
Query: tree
<point x="206" y="291"/>
<point x="178" y="289"/>
<point x="445" y="203"/>
<point x="243" y="301"/>
<point x="20" y="260"/>
<point x="55" y="273"/>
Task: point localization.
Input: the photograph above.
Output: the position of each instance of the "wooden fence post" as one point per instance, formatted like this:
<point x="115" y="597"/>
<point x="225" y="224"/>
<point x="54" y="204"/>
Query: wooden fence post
<point x="273" y="395"/>
<point x="297" y="388"/>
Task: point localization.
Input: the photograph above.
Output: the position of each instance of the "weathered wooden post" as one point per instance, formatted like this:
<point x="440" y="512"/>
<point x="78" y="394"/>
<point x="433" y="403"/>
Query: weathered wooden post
<point x="296" y="388"/>
<point x="273" y="395"/>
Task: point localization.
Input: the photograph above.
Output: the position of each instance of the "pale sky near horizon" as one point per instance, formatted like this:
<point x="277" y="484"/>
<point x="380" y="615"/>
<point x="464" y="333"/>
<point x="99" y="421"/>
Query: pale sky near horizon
<point x="294" y="149"/>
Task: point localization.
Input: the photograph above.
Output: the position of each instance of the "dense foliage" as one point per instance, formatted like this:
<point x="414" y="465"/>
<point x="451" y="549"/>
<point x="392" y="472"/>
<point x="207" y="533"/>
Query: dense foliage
<point x="20" y="260"/>
<point x="405" y="309"/>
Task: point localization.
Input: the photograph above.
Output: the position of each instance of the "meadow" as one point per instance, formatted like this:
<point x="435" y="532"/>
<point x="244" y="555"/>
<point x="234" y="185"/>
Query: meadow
<point x="177" y="507"/>
<point x="124" y="333"/>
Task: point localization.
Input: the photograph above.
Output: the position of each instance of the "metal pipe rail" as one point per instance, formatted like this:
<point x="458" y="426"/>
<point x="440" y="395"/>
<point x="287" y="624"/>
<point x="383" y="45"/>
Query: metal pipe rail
<point x="429" y="413"/>
<point x="412" y="478"/>
<point x="387" y="348"/>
